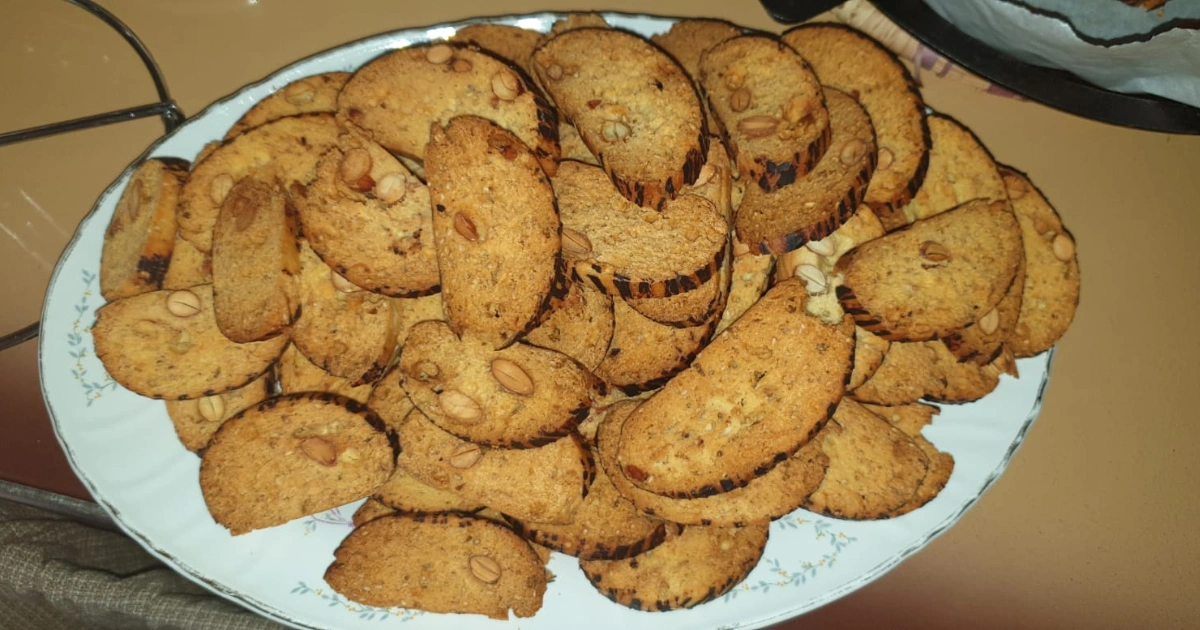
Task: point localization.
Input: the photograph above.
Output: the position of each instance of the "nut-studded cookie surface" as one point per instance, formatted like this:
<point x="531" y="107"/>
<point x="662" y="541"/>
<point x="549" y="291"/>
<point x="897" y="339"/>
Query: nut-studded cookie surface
<point x="307" y="95"/>
<point x="518" y="397"/>
<point x="496" y="230"/>
<point x="770" y="108"/>
<point x="290" y="456"/>
<point x="166" y="344"/>
<point x="635" y="108"/>
<point x="140" y="239"/>
<point x="439" y="563"/>
<point x="399" y="95"/>
<point x="196" y="420"/>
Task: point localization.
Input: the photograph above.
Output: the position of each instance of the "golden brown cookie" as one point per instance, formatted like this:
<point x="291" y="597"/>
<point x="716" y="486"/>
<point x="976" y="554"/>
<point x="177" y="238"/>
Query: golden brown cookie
<point x="645" y="354"/>
<point x="297" y="374"/>
<point x="581" y="326"/>
<point x="197" y="420"/>
<point x="960" y="169"/>
<point x="140" y="239"/>
<point x="307" y="95"/>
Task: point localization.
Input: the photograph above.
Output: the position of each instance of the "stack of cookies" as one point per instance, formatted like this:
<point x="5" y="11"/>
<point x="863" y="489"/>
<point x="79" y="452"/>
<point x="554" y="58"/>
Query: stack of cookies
<point x="621" y="298"/>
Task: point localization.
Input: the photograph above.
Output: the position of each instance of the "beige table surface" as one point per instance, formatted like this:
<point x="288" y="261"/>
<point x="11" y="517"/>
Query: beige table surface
<point x="1094" y="525"/>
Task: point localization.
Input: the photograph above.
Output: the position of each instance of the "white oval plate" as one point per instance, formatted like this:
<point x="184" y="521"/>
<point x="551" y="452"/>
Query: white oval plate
<point x="124" y="449"/>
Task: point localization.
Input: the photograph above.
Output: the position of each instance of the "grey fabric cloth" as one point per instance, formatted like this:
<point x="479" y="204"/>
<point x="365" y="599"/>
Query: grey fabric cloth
<point x="57" y="573"/>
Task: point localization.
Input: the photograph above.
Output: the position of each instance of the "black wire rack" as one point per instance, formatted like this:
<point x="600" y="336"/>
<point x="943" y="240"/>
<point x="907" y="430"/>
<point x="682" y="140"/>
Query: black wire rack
<point x="165" y="108"/>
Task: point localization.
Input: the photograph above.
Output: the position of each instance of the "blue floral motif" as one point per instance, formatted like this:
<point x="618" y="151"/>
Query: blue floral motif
<point x="80" y="348"/>
<point x="796" y="573"/>
<point x="365" y="613"/>
<point x="329" y="517"/>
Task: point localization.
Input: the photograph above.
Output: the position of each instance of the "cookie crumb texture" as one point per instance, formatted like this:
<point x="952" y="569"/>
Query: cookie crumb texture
<point x="439" y="563"/>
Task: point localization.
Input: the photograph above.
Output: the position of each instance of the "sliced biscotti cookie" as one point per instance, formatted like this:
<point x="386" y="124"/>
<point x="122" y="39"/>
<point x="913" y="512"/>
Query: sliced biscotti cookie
<point x="688" y="569"/>
<point x="911" y="419"/>
<point x="513" y="43"/>
<point x="297" y="374"/>
<point x="645" y="354"/>
<point x="404" y="493"/>
<point x="967" y="382"/>
<point x="197" y="420"/>
<point x="630" y="251"/>
<point x="635" y="108"/>
<point x="869" y="352"/>
<point x="255" y="261"/>
<point x="606" y="527"/>
<point x="496" y="230"/>
<point x="166" y="344"/>
<point x="545" y="484"/>
<point x="769" y="106"/>
<point x="749" y="401"/>
<point x="389" y="400"/>
<point x="442" y="563"/>
<point x="874" y="468"/>
<point x="853" y="62"/>
<point x="960" y="169"/>
<point x="346" y="331"/>
<point x="1051" y="286"/>
<point x="581" y="326"/>
<point x="749" y="278"/>
<point x="907" y="372"/>
<point x="519" y="397"/>
<point x="140" y="238"/>
<point x="307" y="95"/>
<point x="935" y="277"/>
<point x="293" y="455"/>
<point x="398" y="96"/>
<point x="820" y="201"/>
<point x="369" y="218"/>
<point x="765" y="498"/>
<point x="572" y="145"/>
<point x="688" y="40"/>
<point x="981" y="341"/>
<point x="189" y="266"/>
<point x="287" y="148"/>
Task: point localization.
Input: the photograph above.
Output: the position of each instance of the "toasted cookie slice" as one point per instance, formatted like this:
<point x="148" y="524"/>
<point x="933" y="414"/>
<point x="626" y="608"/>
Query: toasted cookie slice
<point x="197" y="420"/>
<point x="911" y="419"/>
<point x="768" y="497"/>
<point x="369" y="218"/>
<point x="389" y="400"/>
<point x="442" y="563"/>
<point x="960" y="169"/>
<point x="874" y="468"/>
<point x="606" y="527"/>
<point x="544" y="485"/>
<point x="410" y="311"/>
<point x="166" y="344"/>
<point x="399" y="95"/>
<point x="496" y="230"/>
<point x="688" y="40"/>
<point x="1051" y="286"/>
<point x="290" y="456"/>
<point x="513" y="43"/>
<point x="908" y="371"/>
<point x="935" y="277"/>
<point x="189" y="266"/>
<point x="853" y="62"/>
<point x="770" y="108"/>
<point x="981" y="341"/>
<point x="607" y="240"/>
<point x="518" y="397"/>
<point x="344" y="330"/>
<point x="140" y="238"/>
<point x="287" y="148"/>
<point x="966" y="382"/>
<point x="581" y="326"/>
<point x="308" y="95"/>
<point x="370" y="510"/>
<point x="404" y="493"/>
<point x="572" y="145"/>
<point x="256" y="259"/>
<point x="297" y="374"/>
<point x="869" y="351"/>
<point x="645" y="354"/>
<point x="749" y="401"/>
<point x="688" y="569"/>
<point x="634" y="107"/>
<point x="819" y="202"/>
